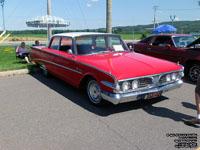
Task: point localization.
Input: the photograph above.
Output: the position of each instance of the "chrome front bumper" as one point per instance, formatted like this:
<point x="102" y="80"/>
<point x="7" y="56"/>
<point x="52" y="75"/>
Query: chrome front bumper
<point x="132" y="96"/>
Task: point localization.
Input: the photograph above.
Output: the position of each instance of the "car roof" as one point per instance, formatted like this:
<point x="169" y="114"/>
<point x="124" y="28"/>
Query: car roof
<point x="172" y="35"/>
<point x="77" y="34"/>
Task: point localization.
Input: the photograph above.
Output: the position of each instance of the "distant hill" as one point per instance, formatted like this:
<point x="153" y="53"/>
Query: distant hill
<point x="182" y="27"/>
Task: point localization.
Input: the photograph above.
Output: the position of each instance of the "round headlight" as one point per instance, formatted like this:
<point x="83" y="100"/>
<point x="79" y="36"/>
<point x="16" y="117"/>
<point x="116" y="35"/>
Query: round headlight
<point x="168" y="78"/>
<point x="174" y="76"/>
<point x="180" y="75"/>
<point x="135" y="84"/>
<point x="125" y="86"/>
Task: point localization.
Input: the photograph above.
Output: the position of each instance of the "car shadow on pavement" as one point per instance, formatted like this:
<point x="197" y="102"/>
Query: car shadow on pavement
<point x="80" y="98"/>
<point x="186" y="80"/>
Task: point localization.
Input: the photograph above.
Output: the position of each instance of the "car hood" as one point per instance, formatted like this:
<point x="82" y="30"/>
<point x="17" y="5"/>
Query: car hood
<point x="124" y="65"/>
<point x="197" y="41"/>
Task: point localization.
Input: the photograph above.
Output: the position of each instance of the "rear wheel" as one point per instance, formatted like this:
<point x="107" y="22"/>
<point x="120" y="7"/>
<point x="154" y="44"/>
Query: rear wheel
<point x="194" y="72"/>
<point x="94" y="92"/>
<point x="44" y="71"/>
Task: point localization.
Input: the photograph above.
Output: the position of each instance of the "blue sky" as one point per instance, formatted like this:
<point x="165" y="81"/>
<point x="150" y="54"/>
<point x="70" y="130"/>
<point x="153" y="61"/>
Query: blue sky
<point x="84" y="14"/>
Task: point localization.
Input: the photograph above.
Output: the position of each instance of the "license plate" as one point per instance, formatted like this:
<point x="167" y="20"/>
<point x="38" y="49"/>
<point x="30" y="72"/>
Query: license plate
<point x="153" y="95"/>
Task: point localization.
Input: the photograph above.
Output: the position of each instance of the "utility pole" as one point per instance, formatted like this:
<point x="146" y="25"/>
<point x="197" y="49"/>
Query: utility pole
<point x="49" y="31"/>
<point x="2" y="5"/>
<point x="172" y="17"/>
<point x="109" y="16"/>
<point x="154" y="18"/>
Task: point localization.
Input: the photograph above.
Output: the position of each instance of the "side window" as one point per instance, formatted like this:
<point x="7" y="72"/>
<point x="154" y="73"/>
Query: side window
<point x="162" y="41"/>
<point x="158" y="41"/>
<point x="66" y="45"/>
<point x="55" y="43"/>
<point x="169" y="41"/>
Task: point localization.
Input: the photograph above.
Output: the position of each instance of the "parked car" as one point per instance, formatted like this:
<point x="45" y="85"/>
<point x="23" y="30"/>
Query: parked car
<point x="183" y="49"/>
<point x="103" y="65"/>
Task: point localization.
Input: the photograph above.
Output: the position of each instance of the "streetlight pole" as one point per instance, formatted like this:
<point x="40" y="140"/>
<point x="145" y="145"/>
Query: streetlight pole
<point x="49" y="30"/>
<point x="172" y="19"/>
<point x="109" y="16"/>
<point x="2" y="5"/>
<point x="154" y="17"/>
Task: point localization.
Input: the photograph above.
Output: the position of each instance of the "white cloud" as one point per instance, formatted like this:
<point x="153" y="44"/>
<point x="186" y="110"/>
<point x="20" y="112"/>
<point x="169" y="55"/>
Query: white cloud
<point x="89" y="3"/>
<point x="177" y="19"/>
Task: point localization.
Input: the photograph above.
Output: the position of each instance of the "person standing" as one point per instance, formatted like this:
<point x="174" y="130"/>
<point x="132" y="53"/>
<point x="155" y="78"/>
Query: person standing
<point x="197" y="99"/>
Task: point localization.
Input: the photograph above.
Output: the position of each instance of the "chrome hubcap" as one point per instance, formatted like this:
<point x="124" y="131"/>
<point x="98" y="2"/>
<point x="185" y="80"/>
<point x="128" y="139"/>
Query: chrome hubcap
<point x="94" y="92"/>
<point x="194" y="72"/>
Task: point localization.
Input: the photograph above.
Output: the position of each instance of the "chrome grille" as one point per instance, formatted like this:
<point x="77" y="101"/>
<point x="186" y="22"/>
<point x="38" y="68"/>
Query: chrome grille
<point x="163" y="79"/>
<point x="145" y="82"/>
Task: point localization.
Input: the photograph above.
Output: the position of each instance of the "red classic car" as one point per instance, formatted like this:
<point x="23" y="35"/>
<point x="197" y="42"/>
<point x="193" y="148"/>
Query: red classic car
<point x="103" y="65"/>
<point x="184" y="49"/>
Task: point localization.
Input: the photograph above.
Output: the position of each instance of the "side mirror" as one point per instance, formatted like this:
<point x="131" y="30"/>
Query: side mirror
<point x="131" y="47"/>
<point x="69" y="51"/>
<point x="168" y="46"/>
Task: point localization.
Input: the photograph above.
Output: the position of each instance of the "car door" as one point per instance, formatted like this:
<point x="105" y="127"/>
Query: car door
<point x="143" y="45"/>
<point x="177" y="54"/>
<point x="51" y="55"/>
<point x="66" y="61"/>
<point x="160" y="47"/>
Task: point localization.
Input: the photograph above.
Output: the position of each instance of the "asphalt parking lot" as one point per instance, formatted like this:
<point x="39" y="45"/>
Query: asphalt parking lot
<point x="38" y="113"/>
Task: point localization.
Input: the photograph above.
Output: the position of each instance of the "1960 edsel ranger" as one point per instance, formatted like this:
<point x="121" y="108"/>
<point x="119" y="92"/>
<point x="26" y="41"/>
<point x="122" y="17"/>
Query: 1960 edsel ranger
<point x="103" y="65"/>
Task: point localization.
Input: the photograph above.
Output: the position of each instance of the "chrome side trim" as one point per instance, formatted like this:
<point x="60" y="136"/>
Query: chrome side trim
<point x="133" y="96"/>
<point x="53" y="53"/>
<point x="108" y="84"/>
<point x="116" y="81"/>
<point x="59" y="65"/>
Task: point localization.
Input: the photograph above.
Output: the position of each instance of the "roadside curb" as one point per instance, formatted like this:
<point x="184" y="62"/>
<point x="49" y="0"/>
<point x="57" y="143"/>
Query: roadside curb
<point x="14" y="72"/>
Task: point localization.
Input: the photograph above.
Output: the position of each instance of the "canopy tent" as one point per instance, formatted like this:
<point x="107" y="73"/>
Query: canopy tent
<point x="51" y="21"/>
<point x="164" y="29"/>
<point x="47" y="22"/>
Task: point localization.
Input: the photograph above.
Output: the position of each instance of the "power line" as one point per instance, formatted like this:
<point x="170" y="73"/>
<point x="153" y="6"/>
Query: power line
<point x="180" y="9"/>
<point x="82" y="13"/>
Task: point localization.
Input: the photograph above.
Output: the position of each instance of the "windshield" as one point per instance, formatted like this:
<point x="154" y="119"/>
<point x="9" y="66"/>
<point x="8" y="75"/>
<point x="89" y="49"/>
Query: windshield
<point x="99" y="44"/>
<point x="183" y="41"/>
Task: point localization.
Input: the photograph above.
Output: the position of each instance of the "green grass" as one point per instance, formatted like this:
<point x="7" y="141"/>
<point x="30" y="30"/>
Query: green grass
<point x="127" y="36"/>
<point x="29" y="35"/>
<point x="8" y="59"/>
<point x="131" y="36"/>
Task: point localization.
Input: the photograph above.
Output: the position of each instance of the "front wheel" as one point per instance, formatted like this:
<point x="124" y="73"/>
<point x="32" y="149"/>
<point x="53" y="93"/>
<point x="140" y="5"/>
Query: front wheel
<point x="194" y="72"/>
<point x="94" y="92"/>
